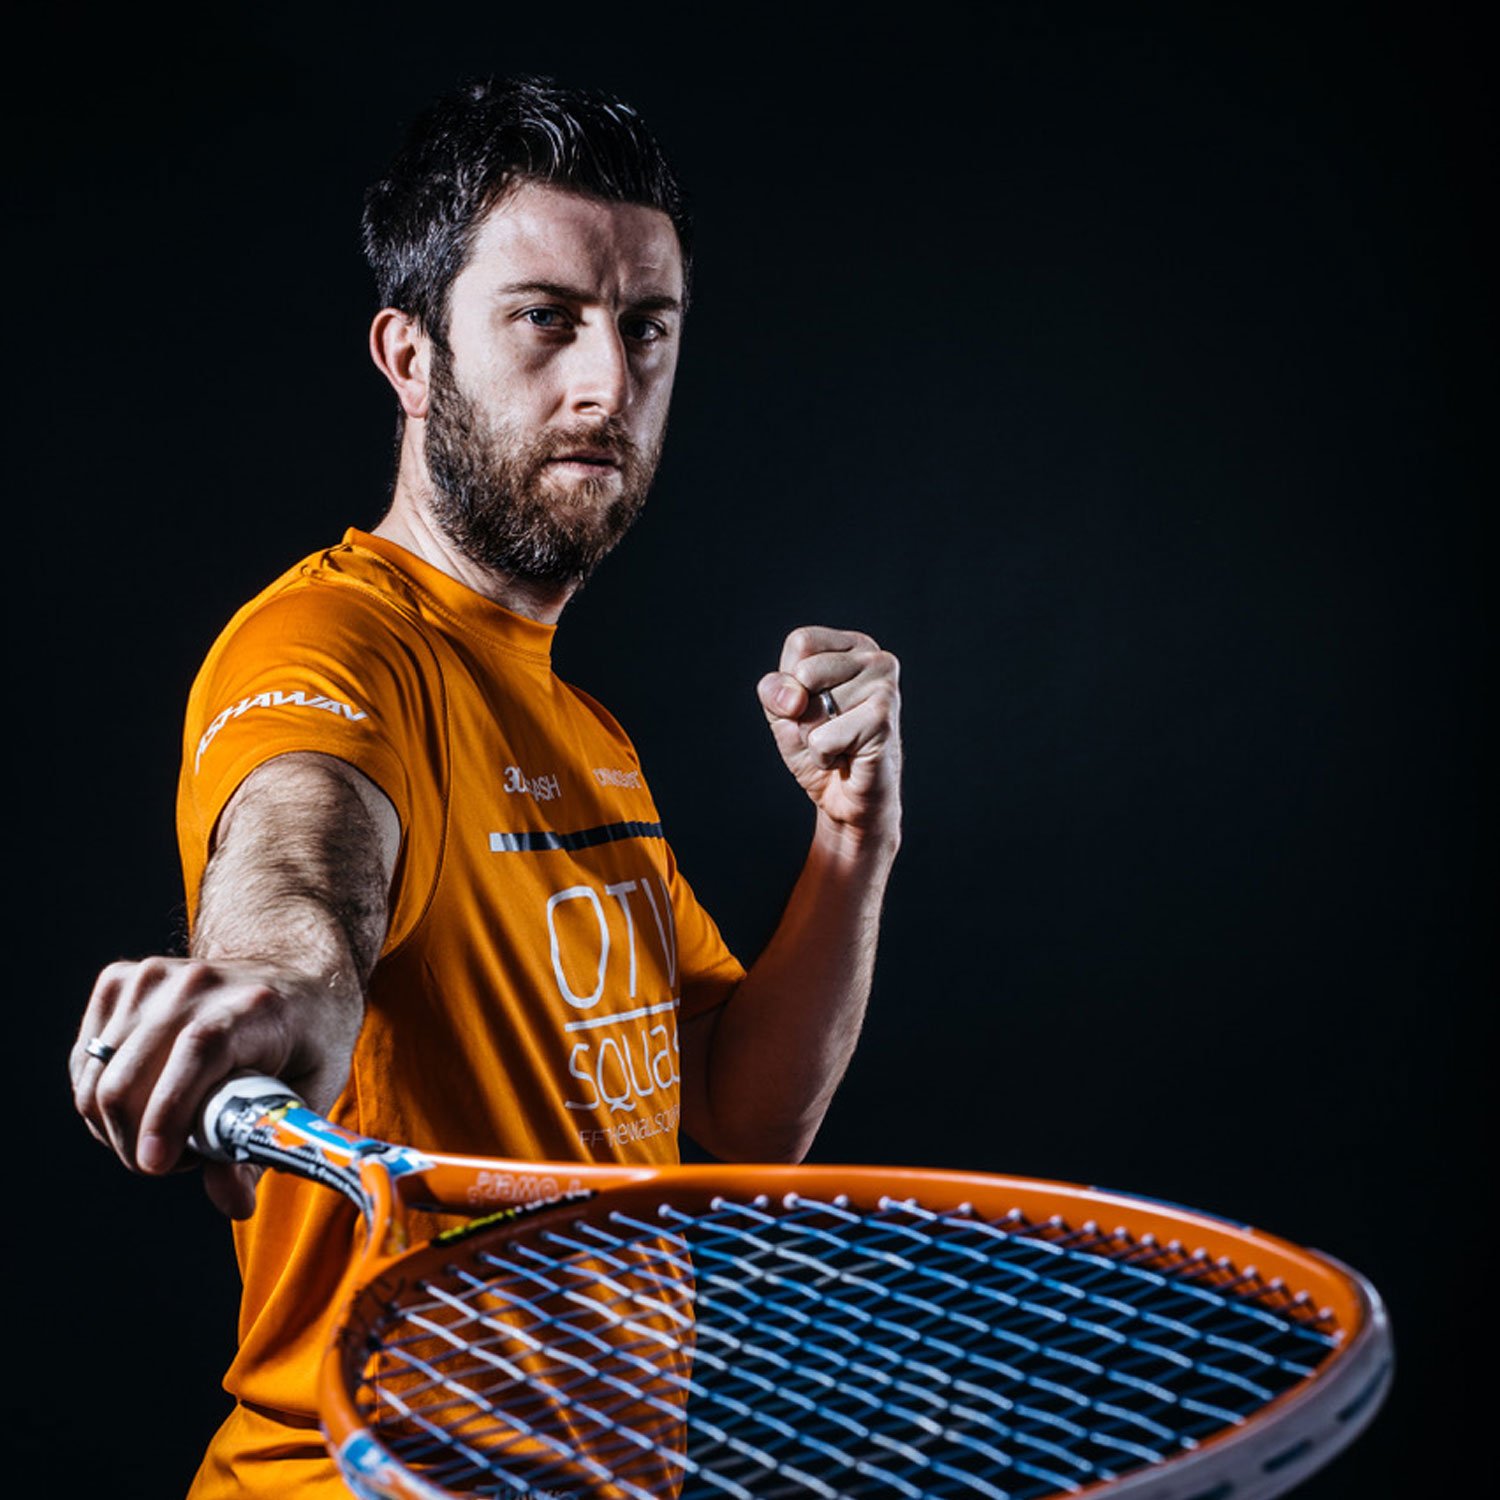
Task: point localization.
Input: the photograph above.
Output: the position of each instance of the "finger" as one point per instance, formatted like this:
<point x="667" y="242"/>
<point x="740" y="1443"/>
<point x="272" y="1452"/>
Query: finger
<point x="852" y="673"/>
<point x="810" y="640"/>
<point x="108" y="1021"/>
<point x="231" y="1187"/>
<point x="96" y="1015"/>
<point x="781" y="696"/>
<point x="160" y="1000"/>
<point x="235" y="1031"/>
<point x="117" y="1095"/>
<point x="98" y="1055"/>
<point x="864" y="728"/>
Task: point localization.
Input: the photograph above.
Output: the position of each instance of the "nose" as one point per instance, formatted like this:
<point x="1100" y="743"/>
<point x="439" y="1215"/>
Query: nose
<point x="599" y="372"/>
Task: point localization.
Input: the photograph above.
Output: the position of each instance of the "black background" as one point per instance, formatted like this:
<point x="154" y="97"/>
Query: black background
<point x="1123" y="368"/>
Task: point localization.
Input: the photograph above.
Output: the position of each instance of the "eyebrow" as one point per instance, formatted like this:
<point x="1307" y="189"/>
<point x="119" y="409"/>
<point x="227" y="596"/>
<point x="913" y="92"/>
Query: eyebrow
<point x="653" y="302"/>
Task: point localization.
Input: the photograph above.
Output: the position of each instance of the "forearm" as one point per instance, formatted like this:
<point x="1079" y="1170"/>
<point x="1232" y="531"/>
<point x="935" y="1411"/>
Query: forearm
<point x="290" y="920"/>
<point x="779" y="1047"/>
<point x="305" y="893"/>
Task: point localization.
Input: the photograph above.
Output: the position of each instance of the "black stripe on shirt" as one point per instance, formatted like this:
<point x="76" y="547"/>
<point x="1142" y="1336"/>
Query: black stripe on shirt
<point x="584" y="838"/>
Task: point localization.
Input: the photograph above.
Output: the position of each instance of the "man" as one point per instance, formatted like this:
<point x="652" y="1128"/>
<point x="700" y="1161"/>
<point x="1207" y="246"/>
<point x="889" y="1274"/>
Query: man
<point x="427" y="884"/>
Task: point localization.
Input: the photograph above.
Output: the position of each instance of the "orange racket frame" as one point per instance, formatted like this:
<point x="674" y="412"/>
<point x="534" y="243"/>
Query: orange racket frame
<point x="260" y="1119"/>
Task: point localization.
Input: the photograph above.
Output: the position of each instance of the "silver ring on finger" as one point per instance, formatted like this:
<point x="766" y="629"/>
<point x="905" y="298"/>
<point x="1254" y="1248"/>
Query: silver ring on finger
<point x="829" y="705"/>
<point x="99" y="1049"/>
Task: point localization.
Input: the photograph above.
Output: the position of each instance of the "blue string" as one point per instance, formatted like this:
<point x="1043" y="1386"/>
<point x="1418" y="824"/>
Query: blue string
<point x="757" y="1350"/>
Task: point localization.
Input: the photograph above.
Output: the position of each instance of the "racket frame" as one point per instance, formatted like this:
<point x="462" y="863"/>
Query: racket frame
<point x="258" y="1119"/>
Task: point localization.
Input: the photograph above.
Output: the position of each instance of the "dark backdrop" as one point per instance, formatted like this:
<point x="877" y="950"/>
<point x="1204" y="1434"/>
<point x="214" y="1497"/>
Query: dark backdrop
<point x="1121" y="367"/>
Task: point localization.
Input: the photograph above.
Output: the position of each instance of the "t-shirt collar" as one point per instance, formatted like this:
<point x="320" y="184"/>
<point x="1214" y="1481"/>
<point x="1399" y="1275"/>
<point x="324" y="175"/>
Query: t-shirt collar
<point x="470" y="609"/>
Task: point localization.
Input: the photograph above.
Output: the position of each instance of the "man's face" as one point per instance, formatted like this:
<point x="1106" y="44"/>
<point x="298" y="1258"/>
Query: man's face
<point x="545" y="425"/>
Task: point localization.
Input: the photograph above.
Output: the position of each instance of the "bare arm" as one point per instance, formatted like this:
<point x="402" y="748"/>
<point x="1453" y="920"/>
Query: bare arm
<point x="760" y="1071"/>
<point x="292" y="914"/>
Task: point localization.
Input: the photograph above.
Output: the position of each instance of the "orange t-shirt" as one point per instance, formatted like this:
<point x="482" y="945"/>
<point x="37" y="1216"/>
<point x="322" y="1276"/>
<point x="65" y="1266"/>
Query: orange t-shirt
<point x="542" y="944"/>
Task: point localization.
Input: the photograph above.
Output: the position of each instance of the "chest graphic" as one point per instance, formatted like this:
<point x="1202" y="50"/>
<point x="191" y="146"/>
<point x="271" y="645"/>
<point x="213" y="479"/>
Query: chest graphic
<point x="613" y="952"/>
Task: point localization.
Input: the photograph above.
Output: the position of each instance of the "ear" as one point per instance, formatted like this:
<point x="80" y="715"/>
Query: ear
<point x="402" y="351"/>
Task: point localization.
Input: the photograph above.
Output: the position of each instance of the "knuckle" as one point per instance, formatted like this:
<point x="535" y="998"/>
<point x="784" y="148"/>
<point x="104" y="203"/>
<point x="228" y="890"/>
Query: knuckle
<point x="149" y="975"/>
<point x="207" y="1035"/>
<point x="196" y="973"/>
<point x="112" y="1101"/>
<point x="109" y="989"/>
<point x="164" y="990"/>
<point x="212" y="1029"/>
<point x="261" y="1001"/>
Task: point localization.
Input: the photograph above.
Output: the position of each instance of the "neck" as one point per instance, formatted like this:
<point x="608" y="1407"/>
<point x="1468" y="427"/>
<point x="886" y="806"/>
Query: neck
<point x="409" y="524"/>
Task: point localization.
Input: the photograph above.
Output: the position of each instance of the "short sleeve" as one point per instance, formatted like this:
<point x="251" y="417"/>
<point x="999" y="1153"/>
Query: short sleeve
<point x="707" y="970"/>
<point x="315" y="667"/>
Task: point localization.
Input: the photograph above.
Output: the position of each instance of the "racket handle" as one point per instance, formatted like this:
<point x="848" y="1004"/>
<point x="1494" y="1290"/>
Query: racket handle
<point x="228" y="1112"/>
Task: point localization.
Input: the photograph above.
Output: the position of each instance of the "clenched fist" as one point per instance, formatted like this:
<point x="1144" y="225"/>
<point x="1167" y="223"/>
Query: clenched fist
<point x="834" y="707"/>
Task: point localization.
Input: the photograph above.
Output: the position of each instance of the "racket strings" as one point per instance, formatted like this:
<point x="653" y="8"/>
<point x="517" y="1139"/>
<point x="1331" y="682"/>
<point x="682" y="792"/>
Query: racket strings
<point x="868" y="1392"/>
<point x="1043" y="1313"/>
<point x="801" y="1347"/>
<point x="580" y="1344"/>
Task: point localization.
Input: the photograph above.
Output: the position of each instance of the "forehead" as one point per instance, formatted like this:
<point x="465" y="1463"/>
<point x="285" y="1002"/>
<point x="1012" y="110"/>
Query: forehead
<point x="540" y="233"/>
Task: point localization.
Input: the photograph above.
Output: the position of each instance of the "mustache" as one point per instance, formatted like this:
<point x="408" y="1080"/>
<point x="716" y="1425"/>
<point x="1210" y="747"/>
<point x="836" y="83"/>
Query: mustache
<point x="608" y="437"/>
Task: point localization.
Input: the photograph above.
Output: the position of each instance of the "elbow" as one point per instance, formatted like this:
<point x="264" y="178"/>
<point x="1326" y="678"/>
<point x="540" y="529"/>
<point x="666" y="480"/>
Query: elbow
<point x="770" y="1142"/>
<point x="776" y="1152"/>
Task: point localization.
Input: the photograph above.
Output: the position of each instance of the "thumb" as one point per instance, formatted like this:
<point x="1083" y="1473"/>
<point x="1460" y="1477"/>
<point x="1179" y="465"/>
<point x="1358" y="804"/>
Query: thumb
<point x="781" y="696"/>
<point x="231" y="1187"/>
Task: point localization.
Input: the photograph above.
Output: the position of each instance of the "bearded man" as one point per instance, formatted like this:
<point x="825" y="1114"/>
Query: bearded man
<point x="427" y="883"/>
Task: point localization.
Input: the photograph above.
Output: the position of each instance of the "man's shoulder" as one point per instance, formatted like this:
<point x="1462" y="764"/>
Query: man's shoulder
<point x="338" y="592"/>
<point x="339" y="610"/>
<point x="588" y="706"/>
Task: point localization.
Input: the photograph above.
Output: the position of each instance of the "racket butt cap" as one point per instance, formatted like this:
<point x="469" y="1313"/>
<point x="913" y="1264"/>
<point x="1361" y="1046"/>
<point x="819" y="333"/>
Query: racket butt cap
<point x="226" y="1101"/>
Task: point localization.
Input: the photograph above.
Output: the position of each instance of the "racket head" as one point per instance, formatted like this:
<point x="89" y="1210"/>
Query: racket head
<point x="852" y="1331"/>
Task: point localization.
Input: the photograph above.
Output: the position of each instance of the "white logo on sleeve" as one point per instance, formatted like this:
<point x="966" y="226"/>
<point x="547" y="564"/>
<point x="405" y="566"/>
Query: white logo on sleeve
<point x="300" y="698"/>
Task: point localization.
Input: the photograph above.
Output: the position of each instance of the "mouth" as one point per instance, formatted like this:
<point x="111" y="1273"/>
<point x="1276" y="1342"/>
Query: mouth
<point x="589" y="458"/>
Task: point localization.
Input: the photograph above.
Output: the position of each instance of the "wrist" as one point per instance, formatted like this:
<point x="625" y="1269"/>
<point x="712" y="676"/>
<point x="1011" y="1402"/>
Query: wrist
<point x="851" y="844"/>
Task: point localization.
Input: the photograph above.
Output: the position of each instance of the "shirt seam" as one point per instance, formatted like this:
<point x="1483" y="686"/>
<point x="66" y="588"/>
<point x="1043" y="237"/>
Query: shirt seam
<point x="466" y="627"/>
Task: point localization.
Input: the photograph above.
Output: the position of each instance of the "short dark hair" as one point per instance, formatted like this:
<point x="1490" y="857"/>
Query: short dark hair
<point x="467" y="150"/>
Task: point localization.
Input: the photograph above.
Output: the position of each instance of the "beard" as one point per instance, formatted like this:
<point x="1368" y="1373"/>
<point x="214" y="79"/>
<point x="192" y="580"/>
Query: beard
<point x="494" y="500"/>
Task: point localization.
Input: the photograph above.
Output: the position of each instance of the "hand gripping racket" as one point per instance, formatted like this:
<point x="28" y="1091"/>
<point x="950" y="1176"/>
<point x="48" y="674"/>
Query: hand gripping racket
<point x="707" y="1331"/>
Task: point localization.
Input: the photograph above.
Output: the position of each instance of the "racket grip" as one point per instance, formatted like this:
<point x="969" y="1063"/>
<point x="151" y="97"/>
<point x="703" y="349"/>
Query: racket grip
<point x="228" y="1112"/>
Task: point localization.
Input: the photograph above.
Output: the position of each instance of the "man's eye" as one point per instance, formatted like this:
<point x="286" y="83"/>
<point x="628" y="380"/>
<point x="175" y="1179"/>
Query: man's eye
<point x="643" y="330"/>
<point x="550" y="318"/>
